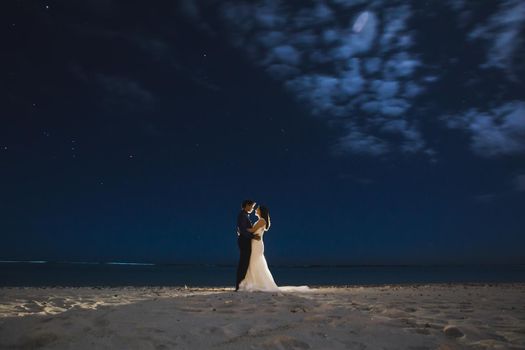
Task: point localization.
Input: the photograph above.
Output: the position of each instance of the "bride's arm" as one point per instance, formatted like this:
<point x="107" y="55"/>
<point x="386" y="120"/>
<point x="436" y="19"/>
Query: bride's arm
<point x="257" y="225"/>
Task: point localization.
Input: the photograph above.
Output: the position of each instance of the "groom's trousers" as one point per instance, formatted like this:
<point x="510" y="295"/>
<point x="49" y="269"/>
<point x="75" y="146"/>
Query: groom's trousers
<point x="245" y="250"/>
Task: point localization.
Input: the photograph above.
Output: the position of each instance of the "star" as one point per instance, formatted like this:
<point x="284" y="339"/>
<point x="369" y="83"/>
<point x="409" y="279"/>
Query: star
<point x="47" y="7"/>
<point x="5" y="148"/>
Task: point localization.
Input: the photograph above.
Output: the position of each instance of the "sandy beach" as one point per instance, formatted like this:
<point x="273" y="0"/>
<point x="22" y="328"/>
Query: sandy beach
<point x="431" y="316"/>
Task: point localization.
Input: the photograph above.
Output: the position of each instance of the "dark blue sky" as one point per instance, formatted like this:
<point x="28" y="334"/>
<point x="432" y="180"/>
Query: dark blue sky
<point x="380" y="132"/>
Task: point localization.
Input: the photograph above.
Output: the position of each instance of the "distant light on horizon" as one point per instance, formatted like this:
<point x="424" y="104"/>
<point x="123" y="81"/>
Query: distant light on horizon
<point x="24" y="261"/>
<point x="127" y="263"/>
<point x="74" y="262"/>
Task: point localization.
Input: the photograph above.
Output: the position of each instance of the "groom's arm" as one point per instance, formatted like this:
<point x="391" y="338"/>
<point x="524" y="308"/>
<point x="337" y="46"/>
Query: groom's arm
<point x="258" y="225"/>
<point x="242" y="227"/>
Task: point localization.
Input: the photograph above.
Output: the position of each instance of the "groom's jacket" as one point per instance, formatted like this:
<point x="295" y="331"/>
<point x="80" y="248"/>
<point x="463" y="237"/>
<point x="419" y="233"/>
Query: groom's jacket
<point x="243" y="223"/>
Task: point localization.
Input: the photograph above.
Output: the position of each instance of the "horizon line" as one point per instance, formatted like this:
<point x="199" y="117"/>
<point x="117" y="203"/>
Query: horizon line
<point x="233" y="265"/>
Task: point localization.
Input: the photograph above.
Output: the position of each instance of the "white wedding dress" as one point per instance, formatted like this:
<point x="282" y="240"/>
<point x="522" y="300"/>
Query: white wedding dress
<point x="258" y="277"/>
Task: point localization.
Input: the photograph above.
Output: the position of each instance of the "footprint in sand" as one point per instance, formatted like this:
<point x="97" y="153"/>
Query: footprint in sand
<point x="355" y="345"/>
<point x="466" y="310"/>
<point x="452" y="331"/>
<point x="38" y="340"/>
<point x="408" y="322"/>
<point x="190" y="310"/>
<point x="249" y="310"/>
<point x="423" y="331"/>
<point x="225" y="311"/>
<point x="100" y="322"/>
<point x="287" y="343"/>
<point x="215" y="331"/>
<point x="45" y="320"/>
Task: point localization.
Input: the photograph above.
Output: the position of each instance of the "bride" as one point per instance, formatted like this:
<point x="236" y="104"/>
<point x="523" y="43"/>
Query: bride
<point x="258" y="277"/>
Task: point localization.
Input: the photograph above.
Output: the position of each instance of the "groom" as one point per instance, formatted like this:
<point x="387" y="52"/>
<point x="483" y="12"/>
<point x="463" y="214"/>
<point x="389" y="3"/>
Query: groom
<point x="244" y="239"/>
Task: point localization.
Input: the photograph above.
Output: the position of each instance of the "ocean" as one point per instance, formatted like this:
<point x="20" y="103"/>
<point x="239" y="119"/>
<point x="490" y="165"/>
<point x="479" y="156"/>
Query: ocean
<point x="44" y="273"/>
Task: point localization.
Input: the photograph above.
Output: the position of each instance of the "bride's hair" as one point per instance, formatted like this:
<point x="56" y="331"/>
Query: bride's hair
<point x="265" y="215"/>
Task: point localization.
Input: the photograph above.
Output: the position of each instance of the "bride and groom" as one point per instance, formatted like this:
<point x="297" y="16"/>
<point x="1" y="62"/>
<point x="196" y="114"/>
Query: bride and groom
<point x="252" y="272"/>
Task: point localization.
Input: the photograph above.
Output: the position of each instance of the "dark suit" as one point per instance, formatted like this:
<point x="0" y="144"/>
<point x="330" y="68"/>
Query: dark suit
<point x="244" y="241"/>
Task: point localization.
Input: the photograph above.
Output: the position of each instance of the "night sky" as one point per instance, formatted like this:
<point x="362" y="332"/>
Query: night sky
<point x="377" y="132"/>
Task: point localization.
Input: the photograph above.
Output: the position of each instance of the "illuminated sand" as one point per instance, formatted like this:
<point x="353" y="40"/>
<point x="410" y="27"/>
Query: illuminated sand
<point x="441" y="316"/>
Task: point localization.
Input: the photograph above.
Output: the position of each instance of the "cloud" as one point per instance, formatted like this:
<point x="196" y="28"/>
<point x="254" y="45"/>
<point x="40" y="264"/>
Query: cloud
<point x="502" y="33"/>
<point x="117" y="90"/>
<point x="394" y="34"/>
<point x="123" y="87"/>
<point x="190" y="9"/>
<point x="286" y="54"/>
<point x="494" y="132"/>
<point x="400" y="65"/>
<point x="372" y="65"/>
<point x="156" y="48"/>
<point x="519" y="182"/>
<point x="153" y="46"/>
<point x="355" y="79"/>
<point x="360" y="142"/>
<point x="353" y="63"/>
<point x="412" y="89"/>
<point x="351" y="43"/>
<point x="282" y="71"/>
<point x="385" y="89"/>
<point x="517" y="186"/>
<point x="344" y="4"/>
<point x="486" y="197"/>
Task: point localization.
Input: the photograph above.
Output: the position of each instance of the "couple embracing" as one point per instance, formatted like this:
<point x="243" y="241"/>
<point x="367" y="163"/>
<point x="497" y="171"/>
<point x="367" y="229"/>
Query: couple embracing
<point x="252" y="271"/>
